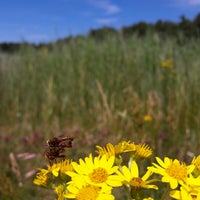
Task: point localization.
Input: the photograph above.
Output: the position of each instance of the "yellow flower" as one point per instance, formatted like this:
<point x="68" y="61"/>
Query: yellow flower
<point x="41" y="178"/>
<point x="143" y="151"/>
<point x="111" y="150"/>
<point x="65" y="166"/>
<point x="193" y="181"/>
<point x="166" y="64"/>
<point x="54" y="169"/>
<point x="147" y="118"/>
<point x="84" y="191"/>
<point x="124" y="146"/>
<point x="98" y="171"/>
<point x="189" y="189"/>
<point x="131" y="177"/>
<point x="60" y="167"/>
<point x="60" y="191"/>
<point x="186" y="193"/>
<point x="172" y="171"/>
<point x="196" y="163"/>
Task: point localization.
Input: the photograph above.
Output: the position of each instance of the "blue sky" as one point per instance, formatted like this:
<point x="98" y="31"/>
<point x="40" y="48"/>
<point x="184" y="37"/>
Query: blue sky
<point x="47" y="20"/>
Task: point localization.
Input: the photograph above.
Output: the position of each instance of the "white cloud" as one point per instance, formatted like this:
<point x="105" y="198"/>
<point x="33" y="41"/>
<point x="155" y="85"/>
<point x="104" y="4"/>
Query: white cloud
<point x="194" y="2"/>
<point x="106" y="21"/>
<point x="187" y="3"/>
<point x="106" y="5"/>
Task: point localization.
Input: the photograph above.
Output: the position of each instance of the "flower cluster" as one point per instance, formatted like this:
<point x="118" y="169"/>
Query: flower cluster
<point x="183" y="180"/>
<point x="96" y="176"/>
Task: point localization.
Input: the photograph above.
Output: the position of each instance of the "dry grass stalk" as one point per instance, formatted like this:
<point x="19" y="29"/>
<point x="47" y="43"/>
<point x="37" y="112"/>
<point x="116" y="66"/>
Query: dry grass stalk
<point x="15" y="168"/>
<point x="104" y="99"/>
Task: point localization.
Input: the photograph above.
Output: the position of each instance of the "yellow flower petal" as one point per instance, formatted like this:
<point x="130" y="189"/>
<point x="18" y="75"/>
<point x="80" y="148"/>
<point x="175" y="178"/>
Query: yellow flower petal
<point x="134" y="169"/>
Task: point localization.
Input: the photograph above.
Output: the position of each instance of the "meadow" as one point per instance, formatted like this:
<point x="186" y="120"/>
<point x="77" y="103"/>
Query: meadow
<point x="140" y="89"/>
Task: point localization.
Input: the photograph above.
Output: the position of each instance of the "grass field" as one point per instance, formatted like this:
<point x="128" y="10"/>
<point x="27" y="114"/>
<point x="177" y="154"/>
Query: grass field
<point x="140" y="89"/>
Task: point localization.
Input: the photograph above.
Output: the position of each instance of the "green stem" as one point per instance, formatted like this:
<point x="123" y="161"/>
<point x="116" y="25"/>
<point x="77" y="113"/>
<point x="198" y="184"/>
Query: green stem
<point x="128" y="191"/>
<point x="165" y="192"/>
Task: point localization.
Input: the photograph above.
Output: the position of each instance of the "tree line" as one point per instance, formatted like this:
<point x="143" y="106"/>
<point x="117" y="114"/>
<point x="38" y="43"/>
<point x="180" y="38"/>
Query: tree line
<point x="185" y="28"/>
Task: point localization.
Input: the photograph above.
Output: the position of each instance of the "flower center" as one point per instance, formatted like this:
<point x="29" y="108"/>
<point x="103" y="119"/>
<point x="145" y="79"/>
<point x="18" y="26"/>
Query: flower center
<point x="177" y="170"/>
<point x="136" y="183"/>
<point x="88" y="193"/>
<point x="194" y="196"/>
<point x="99" y="175"/>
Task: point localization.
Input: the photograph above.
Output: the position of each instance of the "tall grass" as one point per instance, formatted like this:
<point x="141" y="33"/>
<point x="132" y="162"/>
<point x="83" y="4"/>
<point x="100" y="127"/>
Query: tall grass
<point x="100" y="92"/>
